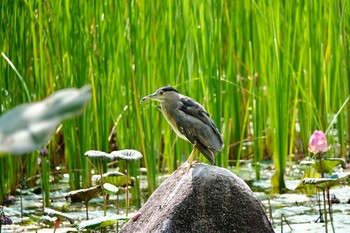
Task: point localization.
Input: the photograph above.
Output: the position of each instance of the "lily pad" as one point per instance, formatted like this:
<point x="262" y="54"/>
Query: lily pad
<point x="321" y="182"/>
<point x="116" y="178"/>
<point x="57" y="214"/>
<point x="100" y="222"/>
<point x="128" y="155"/>
<point x="307" y="162"/>
<point x="325" y="165"/>
<point x="309" y="173"/>
<point x="98" y="154"/>
<point x="110" y="188"/>
<point x="326" y="182"/>
<point x="29" y="126"/>
<point x="83" y="194"/>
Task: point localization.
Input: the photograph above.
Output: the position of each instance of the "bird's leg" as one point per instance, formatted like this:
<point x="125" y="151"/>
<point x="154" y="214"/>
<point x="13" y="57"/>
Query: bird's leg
<point x="191" y="157"/>
<point x="190" y="161"/>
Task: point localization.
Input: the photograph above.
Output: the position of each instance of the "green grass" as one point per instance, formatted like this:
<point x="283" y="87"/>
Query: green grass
<point x="259" y="67"/>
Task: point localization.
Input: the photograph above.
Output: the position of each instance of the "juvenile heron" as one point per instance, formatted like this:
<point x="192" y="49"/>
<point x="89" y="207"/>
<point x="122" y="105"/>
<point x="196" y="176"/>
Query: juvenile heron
<point x="189" y="120"/>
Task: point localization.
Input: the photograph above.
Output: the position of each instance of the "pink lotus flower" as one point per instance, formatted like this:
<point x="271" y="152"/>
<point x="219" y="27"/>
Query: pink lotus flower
<point x="318" y="143"/>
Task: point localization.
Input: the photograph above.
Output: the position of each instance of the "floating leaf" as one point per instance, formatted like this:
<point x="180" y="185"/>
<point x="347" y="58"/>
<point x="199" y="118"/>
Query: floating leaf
<point x="83" y="194"/>
<point x="327" y="165"/>
<point x="100" y="222"/>
<point x="306" y="162"/>
<point x="57" y="214"/>
<point x="128" y="155"/>
<point x="116" y="178"/>
<point x="321" y="182"/>
<point x="326" y="182"/>
<point x="29" y="126"/>
<point x="110" y="188"/>
<point x="309" y="173"/>
<point x="98" y="154"/>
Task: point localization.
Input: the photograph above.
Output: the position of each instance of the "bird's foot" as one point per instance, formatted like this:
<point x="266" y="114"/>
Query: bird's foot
<point x="188" y="166"/>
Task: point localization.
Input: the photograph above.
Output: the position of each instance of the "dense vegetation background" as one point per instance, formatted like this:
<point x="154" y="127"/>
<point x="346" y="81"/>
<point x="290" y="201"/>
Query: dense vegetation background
<point x="268" y="72"/>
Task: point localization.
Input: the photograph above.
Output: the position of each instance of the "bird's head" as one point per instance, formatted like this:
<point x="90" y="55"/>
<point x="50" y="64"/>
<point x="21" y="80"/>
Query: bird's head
<point x="161" y="95"/>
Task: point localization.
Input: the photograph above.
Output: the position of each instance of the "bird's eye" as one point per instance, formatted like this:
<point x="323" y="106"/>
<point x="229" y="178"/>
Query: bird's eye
<point x="161" y="92"/>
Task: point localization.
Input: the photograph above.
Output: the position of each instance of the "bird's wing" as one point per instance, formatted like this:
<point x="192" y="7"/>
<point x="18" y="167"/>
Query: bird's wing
<point x="192" y="136"/>
<point x="198" y="126"/>
<point x="193" y="108"/>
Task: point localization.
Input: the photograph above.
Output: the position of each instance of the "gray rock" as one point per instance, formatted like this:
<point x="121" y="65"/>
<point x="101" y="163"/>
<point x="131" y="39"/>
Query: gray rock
<point x="205" y="199"/>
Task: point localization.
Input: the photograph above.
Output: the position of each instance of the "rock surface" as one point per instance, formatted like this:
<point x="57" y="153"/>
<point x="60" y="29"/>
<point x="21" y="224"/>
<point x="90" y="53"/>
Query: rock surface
<point x="205" y="199"/>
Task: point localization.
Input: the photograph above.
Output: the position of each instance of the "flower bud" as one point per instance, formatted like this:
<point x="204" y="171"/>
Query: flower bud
<point x="318" y="143"/>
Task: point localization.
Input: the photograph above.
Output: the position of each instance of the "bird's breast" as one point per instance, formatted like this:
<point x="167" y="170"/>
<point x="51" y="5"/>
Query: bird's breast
<point x="167" y="113"/>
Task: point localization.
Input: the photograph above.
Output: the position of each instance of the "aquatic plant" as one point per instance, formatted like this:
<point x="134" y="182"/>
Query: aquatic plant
<point x="128" y="156"/>
<point x="59" y="216"/>
<point x="29" y="126"/>
<point x="117" y="179"/>
<point x="102" y="157"/>
<point x="44" y="161"/>
<point x="4" y="220"/>
<point x="100" y="222"/>
<point x="83" y="195"/>
<point x="318" y="146"/>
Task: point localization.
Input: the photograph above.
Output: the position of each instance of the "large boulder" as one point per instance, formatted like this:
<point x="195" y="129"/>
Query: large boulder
<point x="204" y="199"/>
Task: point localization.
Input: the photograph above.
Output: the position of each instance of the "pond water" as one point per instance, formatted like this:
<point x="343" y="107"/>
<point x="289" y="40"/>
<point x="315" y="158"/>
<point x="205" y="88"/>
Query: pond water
<point x="290" y="212"/>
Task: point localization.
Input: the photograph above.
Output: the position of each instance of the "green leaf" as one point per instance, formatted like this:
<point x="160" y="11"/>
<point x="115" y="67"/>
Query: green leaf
<point x="321" y="182"/>
<point x="307" y="162"/>
<point x="98" y="155"/>
<point x="29" y="126"/>
<point x="309" y="173"/>
<point x="100" y="222"/>
<point x="327" y="165"/>
<point x="57" y="214"/>
<point x="116" y="178"/>
<point x="128" y="155"/>
<point x="83" y="194"/>
<point x="326" y="182"/>
<point x="110" y="188"/>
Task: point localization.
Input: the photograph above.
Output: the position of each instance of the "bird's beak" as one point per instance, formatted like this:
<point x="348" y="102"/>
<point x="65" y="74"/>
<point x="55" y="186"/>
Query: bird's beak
<point x="149" y="97"/>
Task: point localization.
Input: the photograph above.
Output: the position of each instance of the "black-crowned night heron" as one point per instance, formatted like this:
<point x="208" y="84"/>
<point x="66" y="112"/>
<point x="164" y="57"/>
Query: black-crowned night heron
<point x="190" y="121"/>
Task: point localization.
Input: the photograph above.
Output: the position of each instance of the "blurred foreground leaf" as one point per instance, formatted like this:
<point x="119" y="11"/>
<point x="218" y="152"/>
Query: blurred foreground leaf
<point x="29" y="126"/>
